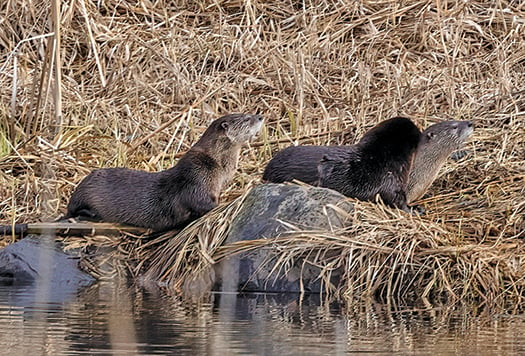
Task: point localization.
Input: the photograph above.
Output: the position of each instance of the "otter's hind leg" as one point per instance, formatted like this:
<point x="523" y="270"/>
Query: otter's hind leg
<point x="79" y="209"/>
<point x="87" y="214"/>
<point x="83" y="214"/>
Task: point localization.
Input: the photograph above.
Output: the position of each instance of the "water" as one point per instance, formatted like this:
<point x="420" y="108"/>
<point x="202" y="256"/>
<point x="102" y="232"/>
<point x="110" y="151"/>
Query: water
<point x="115" y="319"/>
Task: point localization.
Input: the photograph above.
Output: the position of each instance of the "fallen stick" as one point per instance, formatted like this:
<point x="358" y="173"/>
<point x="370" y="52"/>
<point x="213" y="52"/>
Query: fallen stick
<point x="69" y="229"/>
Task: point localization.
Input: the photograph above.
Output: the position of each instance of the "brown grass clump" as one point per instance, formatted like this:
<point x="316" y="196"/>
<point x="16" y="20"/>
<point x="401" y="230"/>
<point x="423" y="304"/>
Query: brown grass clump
<point x="383" y="253"/>
<point x="141" y="81"/>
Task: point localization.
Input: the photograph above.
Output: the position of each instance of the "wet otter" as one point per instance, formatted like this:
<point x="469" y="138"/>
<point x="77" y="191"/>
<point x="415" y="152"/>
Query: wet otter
<point x="436" y="144"/>
<point x="301" y="162"/>
<point x="437" y="141"/>
<point x="377" y="165"/>
<point x="172" y="198"/>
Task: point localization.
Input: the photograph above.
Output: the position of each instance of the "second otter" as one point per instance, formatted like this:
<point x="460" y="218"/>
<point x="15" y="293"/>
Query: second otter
<point x="377" y="165"/>
<point x="174" y="197"/>
<point x="436" y="143"/>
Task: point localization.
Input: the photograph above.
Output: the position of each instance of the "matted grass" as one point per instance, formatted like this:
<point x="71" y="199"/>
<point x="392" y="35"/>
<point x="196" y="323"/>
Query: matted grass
<point x="142" y="80"/>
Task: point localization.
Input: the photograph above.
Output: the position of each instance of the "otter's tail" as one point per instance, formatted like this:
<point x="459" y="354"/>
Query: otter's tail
<point x="16" y="229"/>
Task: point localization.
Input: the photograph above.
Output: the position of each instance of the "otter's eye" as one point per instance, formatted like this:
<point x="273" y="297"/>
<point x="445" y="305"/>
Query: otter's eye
<point x="224" y="125"/>
<point x="430" y="135"/>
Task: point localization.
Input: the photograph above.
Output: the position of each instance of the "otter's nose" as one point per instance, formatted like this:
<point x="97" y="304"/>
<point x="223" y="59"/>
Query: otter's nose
<point x="258" y="117"/>
<point x="470" y="124"/>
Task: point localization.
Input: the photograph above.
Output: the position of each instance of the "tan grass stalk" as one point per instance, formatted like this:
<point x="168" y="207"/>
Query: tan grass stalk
<point x="93" y="44"/>
<point x="55" y="14"/>
<point x="197" y="242"/>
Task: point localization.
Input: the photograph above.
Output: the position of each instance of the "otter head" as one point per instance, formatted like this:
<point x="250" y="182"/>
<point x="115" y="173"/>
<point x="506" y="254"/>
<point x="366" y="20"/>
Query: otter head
<point x="448" y="135"/>
<point x="436" y="144"/>
<point x="238" y="128"/>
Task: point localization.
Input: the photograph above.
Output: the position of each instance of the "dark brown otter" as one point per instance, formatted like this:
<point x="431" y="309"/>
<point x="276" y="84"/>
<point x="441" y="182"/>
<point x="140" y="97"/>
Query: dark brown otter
<point x="377" y="165"/>
<point x="172" y="198"/>
<point x="301" y="162"/>
<point x="436" y="144"/>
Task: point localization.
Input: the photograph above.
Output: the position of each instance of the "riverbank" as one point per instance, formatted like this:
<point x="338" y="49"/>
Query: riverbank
<point x="289" y="238"/>
<point x="141" y="84"/>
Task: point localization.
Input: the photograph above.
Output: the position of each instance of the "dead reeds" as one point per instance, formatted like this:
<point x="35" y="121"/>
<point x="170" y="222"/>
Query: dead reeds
<point x="140" y="83"/>
<point x="382" y="252"/>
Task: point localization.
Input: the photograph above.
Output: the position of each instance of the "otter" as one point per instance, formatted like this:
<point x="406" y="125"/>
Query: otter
<point x="299" y="163"/>
<point x="437" y="141"/>
<point x="436" y="144"/>
<point x="377" y="165"/>
<point x="174" y="197"/>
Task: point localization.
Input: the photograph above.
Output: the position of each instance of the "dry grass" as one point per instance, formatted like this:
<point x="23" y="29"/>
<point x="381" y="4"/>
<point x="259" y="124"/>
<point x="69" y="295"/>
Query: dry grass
<point x="383" y="253"/>
<point x="141" y="81"/>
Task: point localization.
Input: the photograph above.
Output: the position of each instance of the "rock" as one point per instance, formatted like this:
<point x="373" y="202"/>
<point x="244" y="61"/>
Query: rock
<point x="35" y="259"/>
<point x="262" y="215"/>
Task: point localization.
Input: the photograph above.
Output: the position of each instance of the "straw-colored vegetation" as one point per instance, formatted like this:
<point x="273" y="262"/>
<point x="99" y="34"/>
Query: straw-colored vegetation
<point x="142" y="79"/>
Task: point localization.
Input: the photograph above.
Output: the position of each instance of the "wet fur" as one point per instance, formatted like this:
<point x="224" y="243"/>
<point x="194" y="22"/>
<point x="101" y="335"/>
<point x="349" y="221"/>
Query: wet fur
<point x="378" y="164"/>
<point x="299" y="162"/>
<point x="172" y="198"/>
<point x="436" y="143"/>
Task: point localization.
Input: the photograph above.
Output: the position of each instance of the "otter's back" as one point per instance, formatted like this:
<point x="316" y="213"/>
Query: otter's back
<point x="299" y="162"/>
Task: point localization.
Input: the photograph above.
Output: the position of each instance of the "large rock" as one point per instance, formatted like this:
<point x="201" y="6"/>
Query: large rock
<point x="41" y="259"/>
<point x="268" y="211"/>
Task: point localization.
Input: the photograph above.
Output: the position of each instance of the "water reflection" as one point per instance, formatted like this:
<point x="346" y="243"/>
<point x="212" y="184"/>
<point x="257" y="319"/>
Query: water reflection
<point x="113" y="318"/>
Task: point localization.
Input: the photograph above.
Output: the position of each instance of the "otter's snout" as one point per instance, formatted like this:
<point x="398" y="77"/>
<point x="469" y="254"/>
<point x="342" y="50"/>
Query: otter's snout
<point x="257" y="118"/>
<point x="467" y="130"/>
<point x="252" y="125"/>
<point x="257" y="121"/>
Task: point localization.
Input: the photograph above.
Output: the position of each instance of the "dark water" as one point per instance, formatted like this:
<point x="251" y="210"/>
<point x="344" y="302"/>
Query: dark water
<point x="113" y="319"/>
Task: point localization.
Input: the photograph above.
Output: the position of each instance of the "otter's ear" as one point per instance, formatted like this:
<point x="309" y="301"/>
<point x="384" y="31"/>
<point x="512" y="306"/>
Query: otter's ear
<point x="430" y="135"/>
<point x="225" y="125"/>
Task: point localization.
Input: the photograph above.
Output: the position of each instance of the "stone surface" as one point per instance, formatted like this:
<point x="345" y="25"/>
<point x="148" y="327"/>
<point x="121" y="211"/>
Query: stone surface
<point x="262" y="216"/>
<point x="40" y="259"/>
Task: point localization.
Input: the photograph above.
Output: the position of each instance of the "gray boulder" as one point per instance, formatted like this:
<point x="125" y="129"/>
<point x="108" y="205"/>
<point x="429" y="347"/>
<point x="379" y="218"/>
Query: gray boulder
<point x="40" y="259"/>
<point x="268" y="211"/>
